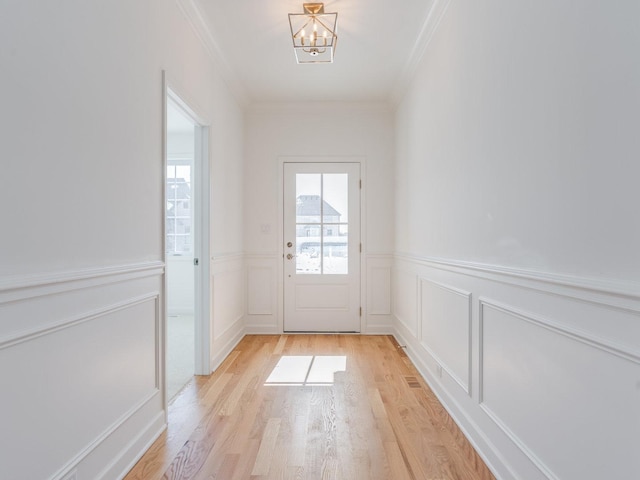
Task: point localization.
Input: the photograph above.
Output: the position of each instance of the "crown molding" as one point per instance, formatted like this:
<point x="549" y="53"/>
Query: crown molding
<point x="196" y="20"/>
<point x="434" y="15"/>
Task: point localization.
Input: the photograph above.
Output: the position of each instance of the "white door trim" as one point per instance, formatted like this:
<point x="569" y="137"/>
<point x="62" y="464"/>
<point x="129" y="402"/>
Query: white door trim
<point x="363" y="224"/>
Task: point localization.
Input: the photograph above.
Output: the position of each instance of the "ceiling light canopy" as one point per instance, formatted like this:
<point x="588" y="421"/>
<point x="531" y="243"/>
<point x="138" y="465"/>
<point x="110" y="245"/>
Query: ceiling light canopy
<point x="314" y="34"/>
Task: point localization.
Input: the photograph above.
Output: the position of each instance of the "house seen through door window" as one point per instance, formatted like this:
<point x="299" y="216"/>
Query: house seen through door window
<point x="322" y="223"/>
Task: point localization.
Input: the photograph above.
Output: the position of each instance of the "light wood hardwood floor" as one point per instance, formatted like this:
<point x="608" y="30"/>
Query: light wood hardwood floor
<point x="309" y="407"/>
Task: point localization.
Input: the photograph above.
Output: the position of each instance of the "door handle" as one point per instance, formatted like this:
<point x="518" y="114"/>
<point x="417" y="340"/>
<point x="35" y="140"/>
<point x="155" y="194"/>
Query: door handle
<point x="289" y="256"/>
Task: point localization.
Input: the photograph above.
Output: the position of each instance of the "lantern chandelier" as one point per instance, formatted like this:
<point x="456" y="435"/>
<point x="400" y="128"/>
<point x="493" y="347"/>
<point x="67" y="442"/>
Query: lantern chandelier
<point x="314" y="34"/>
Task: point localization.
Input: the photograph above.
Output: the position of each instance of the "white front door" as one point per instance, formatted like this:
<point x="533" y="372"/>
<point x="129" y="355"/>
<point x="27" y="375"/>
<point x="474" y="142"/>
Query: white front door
<point x="321" y="247"/>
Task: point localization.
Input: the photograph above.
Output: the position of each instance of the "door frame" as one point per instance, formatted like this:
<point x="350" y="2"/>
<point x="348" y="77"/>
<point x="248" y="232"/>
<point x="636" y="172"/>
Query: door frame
<point x="361" y="160"/>
<point x="202" y="227"/>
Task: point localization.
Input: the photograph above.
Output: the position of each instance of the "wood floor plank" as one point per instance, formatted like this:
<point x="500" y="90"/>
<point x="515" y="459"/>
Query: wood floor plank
<point x="280" y="345"/>
<point x="397" y="466"/>
<point x="377" y="420"/>
<point x="243" y="470"/>
<point x="185" y="414"/>
<point x="267" y="447"/>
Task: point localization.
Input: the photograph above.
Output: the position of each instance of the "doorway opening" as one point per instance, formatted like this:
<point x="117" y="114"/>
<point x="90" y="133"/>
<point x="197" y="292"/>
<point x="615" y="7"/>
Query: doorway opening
<point x="186" y="242"/>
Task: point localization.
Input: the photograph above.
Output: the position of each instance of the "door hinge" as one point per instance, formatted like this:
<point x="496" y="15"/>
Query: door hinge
<point x="360" y="184"/>
<point x="196" y="262"/>
<point x="360" y="247"/>
<point x="360" y="311"/>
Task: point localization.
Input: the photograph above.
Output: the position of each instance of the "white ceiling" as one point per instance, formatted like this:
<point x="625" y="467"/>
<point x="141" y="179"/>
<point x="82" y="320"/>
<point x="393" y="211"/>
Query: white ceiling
<point x="250" y="40"/>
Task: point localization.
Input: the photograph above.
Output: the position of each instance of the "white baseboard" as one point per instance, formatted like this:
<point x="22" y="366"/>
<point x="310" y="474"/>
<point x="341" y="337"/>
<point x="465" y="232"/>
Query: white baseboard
<point x="135" y="449"/>
<point x="379" y="330"/>
<point x="262" y="330"/>
<point x="224" y="344"/>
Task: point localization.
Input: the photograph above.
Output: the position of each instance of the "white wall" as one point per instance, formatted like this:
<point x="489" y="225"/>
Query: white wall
<point x="81" y="273"/>
<point x="516" y="280"/>
<point x="363" y="132"/>
<point x="527" y="139"/>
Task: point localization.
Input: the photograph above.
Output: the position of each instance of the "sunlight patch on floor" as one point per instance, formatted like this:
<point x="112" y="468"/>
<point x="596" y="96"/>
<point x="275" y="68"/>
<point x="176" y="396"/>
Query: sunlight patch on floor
<point x="307" y="370"/>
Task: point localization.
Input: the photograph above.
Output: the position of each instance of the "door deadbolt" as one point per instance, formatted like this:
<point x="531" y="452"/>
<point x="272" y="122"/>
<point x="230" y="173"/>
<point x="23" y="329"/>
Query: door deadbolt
<point x="289" y="244"/>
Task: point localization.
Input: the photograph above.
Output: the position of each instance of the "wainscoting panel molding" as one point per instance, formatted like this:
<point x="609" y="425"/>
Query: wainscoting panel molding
<point x="377" y="294"/>
<point x="405" y="298"/>
<point x="260" y="294"/>
<point x="83" y="353"/>
<point x="527" y="360"/>
<point x="445" y="329"/>
<point x="263" y="287"/>
<point x="228" y="305"/>
<point x="553" y="364"/>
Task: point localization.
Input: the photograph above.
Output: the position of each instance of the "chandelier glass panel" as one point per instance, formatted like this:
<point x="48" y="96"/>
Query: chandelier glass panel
<point x="314" y="34"/>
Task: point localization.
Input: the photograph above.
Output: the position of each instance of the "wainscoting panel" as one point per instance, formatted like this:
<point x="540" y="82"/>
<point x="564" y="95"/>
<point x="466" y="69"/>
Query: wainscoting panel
<point x="80" y="362"/>
<point x="553" y="364"/>
<point x="378" y="318"/>
<point x="263" y="287"/>
<point x="581" y="392"/>
<point x="404" y="288"/>
<point x="228" y="305"/>
<point x="260" y="295"/>
<point x="445" y="319"/>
